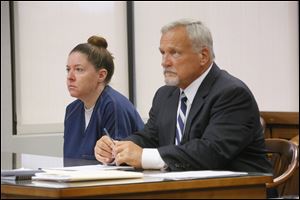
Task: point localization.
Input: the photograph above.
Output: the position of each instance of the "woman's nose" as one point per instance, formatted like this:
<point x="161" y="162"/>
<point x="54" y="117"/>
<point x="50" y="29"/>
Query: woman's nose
<point x="70" y="74"/>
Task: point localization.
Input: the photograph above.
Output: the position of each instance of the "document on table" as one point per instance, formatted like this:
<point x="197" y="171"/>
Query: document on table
<point x="196" y="174"/>
<point x="94" y="167"/>
<point x="85" y="175"/>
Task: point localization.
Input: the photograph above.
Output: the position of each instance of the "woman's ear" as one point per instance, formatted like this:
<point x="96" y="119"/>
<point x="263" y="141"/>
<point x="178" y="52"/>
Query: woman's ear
<point x="102" y="73"/>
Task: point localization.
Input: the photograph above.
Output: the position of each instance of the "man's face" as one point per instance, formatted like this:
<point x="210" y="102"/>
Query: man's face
<point x="182" y="65"/>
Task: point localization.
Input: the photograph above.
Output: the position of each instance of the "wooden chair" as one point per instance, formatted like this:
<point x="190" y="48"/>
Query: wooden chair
<point x="284" y="156"/>
<point x="263" y="123"/>
<point x="292" y="187"/>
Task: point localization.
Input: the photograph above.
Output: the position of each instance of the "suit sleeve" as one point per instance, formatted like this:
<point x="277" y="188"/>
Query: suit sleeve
<point x="148" y="137"/>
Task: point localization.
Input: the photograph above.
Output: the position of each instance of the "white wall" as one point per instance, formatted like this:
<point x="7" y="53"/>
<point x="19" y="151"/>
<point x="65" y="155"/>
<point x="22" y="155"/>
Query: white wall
<point x="6" y="93"/>
<point x="45" y="144"/>
<point x="257" y="42"/>
<point x="45" y="33"/>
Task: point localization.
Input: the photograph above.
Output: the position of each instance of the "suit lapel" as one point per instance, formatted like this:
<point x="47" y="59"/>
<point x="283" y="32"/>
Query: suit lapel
<point x="199" y="99"/>
<point x="171" y="116"/>
<point x="196" y="106"/>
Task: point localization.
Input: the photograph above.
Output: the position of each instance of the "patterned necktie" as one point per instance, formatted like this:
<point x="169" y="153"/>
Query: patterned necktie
<point x="181" y="119"/>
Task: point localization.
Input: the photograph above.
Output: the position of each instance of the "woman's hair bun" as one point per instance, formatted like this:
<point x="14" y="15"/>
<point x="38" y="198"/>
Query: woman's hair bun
<point x="98" y="41"/>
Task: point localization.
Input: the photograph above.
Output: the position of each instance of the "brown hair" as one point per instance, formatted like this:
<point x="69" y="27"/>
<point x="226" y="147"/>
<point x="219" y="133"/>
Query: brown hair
<point x="97" y="54"/>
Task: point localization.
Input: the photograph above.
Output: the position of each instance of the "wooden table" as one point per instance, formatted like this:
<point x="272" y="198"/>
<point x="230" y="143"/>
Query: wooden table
<point x="252" y="186"/>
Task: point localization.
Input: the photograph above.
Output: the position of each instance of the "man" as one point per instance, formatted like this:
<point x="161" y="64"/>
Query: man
<point x="203" y="118"/>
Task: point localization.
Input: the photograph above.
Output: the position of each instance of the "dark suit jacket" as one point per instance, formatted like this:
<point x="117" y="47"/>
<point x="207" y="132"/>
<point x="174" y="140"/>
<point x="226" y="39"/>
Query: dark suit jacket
<point x="222" y="131"/>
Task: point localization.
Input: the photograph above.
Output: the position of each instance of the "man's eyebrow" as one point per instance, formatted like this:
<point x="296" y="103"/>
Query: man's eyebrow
<point x="170" y="47"/>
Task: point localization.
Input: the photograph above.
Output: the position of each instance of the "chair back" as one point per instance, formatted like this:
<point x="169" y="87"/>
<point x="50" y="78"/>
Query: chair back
<point x="263" y="123"/>
<point x="284" y="156"/>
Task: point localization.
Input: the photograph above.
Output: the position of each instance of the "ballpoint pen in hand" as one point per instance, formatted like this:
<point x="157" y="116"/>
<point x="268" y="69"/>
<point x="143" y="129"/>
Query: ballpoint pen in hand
<point x="106" y="133"/>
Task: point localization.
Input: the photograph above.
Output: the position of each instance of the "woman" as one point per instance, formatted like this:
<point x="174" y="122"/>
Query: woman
<point x="98" y="106"/>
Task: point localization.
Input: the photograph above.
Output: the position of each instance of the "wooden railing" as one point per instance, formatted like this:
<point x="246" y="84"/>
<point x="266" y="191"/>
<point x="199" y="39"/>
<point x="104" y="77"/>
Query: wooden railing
<point x="283" y="125"/>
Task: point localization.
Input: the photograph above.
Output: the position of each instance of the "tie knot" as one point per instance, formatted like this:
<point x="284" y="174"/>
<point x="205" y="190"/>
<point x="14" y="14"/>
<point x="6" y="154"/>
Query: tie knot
<point x="183" y="97"/>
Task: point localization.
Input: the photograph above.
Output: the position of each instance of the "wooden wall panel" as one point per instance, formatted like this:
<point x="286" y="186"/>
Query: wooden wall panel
<point x="283" y="125"/>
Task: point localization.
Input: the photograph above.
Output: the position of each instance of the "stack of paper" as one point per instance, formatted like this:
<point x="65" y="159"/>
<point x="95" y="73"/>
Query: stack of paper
<point x="94" y="167"/>
<point x="70" y="176"/>
<point x="185" y="175"/>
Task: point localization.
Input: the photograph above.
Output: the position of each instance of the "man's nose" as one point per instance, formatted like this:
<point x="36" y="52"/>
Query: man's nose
<point x="166" y="61"/>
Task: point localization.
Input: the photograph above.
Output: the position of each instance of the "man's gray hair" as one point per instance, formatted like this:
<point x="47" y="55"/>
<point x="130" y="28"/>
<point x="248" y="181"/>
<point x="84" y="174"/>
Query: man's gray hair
<point x="198" y="33"/>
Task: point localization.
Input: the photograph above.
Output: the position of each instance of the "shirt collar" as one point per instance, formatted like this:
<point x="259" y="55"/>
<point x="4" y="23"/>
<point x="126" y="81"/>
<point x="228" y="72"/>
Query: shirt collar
<point x="191" y="90"/>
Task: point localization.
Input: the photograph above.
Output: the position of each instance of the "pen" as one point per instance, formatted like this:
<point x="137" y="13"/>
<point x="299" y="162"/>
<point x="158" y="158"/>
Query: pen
<point x="106" y="133"/>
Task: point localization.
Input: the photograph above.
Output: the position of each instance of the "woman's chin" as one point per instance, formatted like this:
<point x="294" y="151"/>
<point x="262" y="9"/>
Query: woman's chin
<point x="73" y="94"/>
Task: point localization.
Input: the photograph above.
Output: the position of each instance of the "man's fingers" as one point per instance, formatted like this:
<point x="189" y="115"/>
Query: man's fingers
<point x="120" y="159"/>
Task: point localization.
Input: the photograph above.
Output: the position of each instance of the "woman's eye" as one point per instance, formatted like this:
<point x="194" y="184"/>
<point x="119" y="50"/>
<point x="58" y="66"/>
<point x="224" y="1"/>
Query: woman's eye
<point x="79" y="69"/>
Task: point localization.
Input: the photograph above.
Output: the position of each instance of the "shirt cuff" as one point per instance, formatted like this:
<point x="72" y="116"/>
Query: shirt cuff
<point x="151" y="159"/>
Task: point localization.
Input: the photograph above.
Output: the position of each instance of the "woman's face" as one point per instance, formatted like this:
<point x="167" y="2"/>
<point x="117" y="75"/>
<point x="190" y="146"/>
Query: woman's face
<point x="82" y="78"/>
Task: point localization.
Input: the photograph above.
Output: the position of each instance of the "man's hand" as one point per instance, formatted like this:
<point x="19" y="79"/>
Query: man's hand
<point x="129" y="153"/>
<point x="104" y="150"/>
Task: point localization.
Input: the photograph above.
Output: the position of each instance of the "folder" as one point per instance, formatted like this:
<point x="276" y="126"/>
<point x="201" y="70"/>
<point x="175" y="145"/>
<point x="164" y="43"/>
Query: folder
<point x="18" y="174"/>
<point x="72" y="176"/>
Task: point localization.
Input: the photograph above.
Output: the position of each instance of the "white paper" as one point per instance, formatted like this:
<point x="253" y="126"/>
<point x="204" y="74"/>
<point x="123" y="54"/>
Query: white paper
<point x="93" y="167"/>
<point x="195" y="174"/>
<point x="69" y="176"/>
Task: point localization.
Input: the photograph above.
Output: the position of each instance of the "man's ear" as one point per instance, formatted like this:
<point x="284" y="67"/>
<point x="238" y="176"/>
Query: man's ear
<point x="204" y="56"/>
<point x="102" y="73"/>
